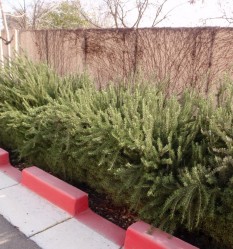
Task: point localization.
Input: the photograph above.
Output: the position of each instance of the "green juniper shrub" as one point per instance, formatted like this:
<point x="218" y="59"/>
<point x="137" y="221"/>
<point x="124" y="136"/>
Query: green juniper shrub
<point x="167" y="158"/>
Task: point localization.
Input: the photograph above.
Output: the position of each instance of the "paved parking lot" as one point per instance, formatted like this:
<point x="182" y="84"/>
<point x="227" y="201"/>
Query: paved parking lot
<point x="12" y="238"/>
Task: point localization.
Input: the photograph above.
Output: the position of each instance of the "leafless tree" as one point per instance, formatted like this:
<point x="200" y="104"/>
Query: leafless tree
<point x="119" y="10"/>
<point x="225" y="10"/>
<point x="28" y="15"/>
<point x="132" y="13"/>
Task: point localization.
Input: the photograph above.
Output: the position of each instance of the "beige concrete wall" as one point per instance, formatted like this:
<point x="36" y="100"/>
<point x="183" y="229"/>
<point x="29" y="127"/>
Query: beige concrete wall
<point x="181" y="57"/>
<point x="12" y="44"/>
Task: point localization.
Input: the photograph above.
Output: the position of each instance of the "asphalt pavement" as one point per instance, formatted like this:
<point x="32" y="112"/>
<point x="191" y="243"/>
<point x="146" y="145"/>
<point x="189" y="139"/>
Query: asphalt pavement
<point x="12" y="238"/>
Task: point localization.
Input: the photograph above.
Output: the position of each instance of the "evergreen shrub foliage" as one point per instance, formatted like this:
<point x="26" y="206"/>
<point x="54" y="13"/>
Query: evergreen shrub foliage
<point x="168" y="158"/>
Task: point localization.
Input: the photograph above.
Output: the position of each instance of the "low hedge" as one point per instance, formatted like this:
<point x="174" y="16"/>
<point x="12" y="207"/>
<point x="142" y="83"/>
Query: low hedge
<point x="169" y="158"/>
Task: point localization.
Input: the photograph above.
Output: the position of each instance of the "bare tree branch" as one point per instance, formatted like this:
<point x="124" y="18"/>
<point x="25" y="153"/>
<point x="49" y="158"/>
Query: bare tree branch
<point x="226" y="11"/>
<point x="159" y="17"/>
<point x="120" y="10"/>
<point x="141" y="8"/>
<point x="158" y="13"/>
<point x="28" y="16"/>
<point x="88" y="19"/>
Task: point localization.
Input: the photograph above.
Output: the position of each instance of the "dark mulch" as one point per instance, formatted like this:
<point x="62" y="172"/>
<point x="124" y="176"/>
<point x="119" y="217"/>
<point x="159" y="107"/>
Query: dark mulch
<point x="103" y="205"/>
<point x="199" y="239"/>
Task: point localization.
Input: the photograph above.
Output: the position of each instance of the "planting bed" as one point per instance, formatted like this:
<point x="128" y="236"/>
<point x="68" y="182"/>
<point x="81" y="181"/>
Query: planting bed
<point x="139" y="235"/>
<point x="102" y="205"/>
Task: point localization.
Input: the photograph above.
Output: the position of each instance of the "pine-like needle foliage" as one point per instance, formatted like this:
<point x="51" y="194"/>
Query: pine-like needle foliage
<point x="168" y="158"/>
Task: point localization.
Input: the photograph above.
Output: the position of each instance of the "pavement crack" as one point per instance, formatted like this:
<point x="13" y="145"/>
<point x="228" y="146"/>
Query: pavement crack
<point x="47" y="228"/>
<point x="9" y="186"/>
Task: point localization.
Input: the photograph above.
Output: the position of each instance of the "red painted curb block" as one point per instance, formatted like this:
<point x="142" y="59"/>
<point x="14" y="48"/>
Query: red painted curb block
<point x="137" y="237"/>
<point x="60" y="193"/>
<point x="104" y="227"/>
<point x="7" y="168"/>
<point x="4" y="157"/>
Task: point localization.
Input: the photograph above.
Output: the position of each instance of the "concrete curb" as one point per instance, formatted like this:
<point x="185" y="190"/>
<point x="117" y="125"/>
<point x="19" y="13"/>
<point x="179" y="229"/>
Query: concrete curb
<point x="60" y="193"/>
<point x="75" y="202"/>
<point x="7" y="168"/>
<point x="72" y="200"/>
<point x="140" y="236"/>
